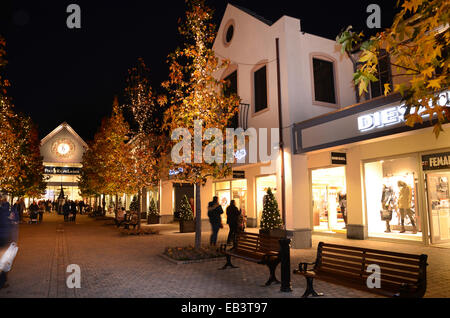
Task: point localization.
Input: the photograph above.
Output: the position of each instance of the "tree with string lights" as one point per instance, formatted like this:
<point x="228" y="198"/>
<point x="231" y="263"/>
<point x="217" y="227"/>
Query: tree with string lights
<point x="196" y="95"/>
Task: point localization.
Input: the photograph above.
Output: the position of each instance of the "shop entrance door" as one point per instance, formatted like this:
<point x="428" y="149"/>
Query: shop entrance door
<point x="438" y="199"/>
<point x="329" y="199"/>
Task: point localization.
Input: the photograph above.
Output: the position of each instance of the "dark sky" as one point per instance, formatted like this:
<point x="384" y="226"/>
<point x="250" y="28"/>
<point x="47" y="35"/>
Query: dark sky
<point x="60" y="74"/>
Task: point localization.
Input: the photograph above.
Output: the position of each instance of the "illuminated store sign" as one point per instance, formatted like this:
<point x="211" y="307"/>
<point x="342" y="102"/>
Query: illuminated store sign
<point x="175" y="172"/>
<point x="392" y="115"/>
<point x="436" y="161"/>
<point x="62" y="170"/>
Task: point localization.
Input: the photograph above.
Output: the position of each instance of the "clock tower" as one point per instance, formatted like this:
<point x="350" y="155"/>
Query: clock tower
<point x="62" y="151"/>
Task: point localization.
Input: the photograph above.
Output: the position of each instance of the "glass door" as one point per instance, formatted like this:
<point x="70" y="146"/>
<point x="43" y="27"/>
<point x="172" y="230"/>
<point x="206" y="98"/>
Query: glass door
<point x="439" y="205"/>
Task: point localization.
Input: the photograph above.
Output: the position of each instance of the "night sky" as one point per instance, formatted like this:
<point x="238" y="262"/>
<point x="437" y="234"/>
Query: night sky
<point x="60" y="74"/>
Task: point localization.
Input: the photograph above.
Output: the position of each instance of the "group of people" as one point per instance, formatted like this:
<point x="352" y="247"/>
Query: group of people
<point x="70" y="210"/>
<point x="234" y="220"/>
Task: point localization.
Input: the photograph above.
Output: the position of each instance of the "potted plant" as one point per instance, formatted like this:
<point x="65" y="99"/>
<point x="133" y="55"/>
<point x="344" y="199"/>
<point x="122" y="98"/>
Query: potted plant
<point x="187" y="223"/>
<point x="271" y="223"/>
<point x="153" y="213"/>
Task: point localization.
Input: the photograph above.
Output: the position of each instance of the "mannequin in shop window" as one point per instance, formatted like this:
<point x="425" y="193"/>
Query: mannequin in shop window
<point x="342" y="197"/>
<point x="387" y="204"/>
<point x="404" y="205"/>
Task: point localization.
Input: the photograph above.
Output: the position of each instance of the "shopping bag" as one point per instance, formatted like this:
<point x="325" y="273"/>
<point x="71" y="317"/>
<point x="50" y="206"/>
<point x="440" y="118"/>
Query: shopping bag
<point x="8" y="257"/>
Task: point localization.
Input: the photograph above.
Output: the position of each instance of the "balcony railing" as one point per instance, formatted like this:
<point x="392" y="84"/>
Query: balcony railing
<point x="240" y="120"/>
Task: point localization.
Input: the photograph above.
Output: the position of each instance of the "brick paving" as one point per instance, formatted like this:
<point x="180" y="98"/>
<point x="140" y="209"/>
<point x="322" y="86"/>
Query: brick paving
<point x="113" y="265"/>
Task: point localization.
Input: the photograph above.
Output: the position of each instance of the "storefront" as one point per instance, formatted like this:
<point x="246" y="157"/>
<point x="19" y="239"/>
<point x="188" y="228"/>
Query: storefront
<point x="395" y="179"/>
<point x="329" y="199"/>
<point x="231" y="190"/>
<point x="62" y="151"/>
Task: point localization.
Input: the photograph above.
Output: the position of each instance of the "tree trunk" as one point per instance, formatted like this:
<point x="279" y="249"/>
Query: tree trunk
<point x="139" y="209"/>
<point x="198" y="217"/>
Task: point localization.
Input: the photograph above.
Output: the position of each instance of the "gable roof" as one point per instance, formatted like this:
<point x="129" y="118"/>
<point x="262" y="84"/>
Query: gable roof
<point x="253" y="14"/>
<point x="61" y="127"/>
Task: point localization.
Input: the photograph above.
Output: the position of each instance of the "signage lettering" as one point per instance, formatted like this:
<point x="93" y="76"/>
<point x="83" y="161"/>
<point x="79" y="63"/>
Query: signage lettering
<point x="338" y="158"/>
<point x="436" y="161"/>
<point x="238" y="174"/>
<point x="62" y="170"/>
<point x="392" y="115"/>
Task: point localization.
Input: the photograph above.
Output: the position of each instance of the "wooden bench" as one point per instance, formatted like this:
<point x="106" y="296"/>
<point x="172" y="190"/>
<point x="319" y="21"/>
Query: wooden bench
<point x="256" y="248"/>
<point x="401" y="274"/>
<point x="130" y="219"/>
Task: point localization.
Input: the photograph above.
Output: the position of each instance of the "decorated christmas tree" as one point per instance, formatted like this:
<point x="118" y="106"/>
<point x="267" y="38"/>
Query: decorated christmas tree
<point x="186" y="213"/>
<point x="270" y="218"/>
<point x="134" y="205"/>
<point x="152" y="210"/>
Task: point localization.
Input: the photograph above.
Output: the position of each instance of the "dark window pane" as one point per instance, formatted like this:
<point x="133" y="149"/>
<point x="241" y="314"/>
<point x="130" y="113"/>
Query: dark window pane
<point x="231" y="86"/>
<point x="324" y="90"/>
<point x="260" y="78"/>
<point x="383" y="75"/>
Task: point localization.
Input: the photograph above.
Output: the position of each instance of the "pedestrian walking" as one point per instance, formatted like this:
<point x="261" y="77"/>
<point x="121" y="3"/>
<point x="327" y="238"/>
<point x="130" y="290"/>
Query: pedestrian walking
<point x="233" y="215"/>
<point x="21" y="209"/>
<point x="5" y="224"/>
<point x="33" y="209"/>
<point x="214" y="214"/>
<point x="66" y="211"/>
<point x="41" y="210"/>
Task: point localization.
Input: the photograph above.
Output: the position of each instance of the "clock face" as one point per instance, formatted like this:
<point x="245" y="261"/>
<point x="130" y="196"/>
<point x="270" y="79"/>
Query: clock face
<point x="63" y="148"/>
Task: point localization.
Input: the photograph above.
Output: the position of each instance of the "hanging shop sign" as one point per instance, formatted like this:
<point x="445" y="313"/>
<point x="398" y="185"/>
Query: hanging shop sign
<point x="237" y="174"/>
<point x="62" y="170"/>
<point x="436" y="161"/>
<point x="338" y="158"/>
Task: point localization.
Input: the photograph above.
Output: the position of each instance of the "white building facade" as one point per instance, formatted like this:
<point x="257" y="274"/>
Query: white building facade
<point x="339" y="154"/>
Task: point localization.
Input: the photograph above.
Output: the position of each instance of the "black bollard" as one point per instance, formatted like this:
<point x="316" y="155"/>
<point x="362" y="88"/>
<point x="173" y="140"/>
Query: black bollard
<point x="285" y="255"/>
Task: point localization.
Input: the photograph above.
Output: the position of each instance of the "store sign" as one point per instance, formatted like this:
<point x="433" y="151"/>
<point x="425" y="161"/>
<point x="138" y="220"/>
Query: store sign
<point x="338" y="158"/>
<point x="62" y="170"/>
<point x="175" y="171"/>
<point x="238" y="174"/>
<point x="392" y="115"/>
<point x="436" y="161"/>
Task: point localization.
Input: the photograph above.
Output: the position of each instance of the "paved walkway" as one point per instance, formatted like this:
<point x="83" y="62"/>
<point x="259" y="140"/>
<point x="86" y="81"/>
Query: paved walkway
<point x="113" y="265"/>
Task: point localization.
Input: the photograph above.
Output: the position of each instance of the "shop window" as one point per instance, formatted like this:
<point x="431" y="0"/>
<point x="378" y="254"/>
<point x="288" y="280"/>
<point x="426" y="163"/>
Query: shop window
<point x="232" y="190"/>
<point x="324" y="85"/>
<point x="329" y="199"/>
<point x="391" y="198"/>
<point x="260" y="88"/>
<point x="262" y="185"/>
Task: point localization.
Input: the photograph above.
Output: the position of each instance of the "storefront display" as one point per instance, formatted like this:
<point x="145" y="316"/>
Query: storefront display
<point x="391" y="196"/>
<point x="329" y="199"/>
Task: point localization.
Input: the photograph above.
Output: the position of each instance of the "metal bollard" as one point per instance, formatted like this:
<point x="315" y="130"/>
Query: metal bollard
<point x="285" y="255"/>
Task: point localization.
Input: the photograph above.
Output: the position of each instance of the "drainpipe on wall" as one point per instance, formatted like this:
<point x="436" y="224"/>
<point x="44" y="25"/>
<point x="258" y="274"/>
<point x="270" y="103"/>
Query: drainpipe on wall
<point x="280" y="127"/>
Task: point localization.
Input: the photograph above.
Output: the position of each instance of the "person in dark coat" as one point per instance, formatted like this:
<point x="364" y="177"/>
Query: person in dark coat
<point x="233" y="214"/>
<point x="33" y="208"/>
<point x="73" y="210"/>
<point x="5" y="223"/>
<point x="66" y="211"/>
<point x="214" y="213"/>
